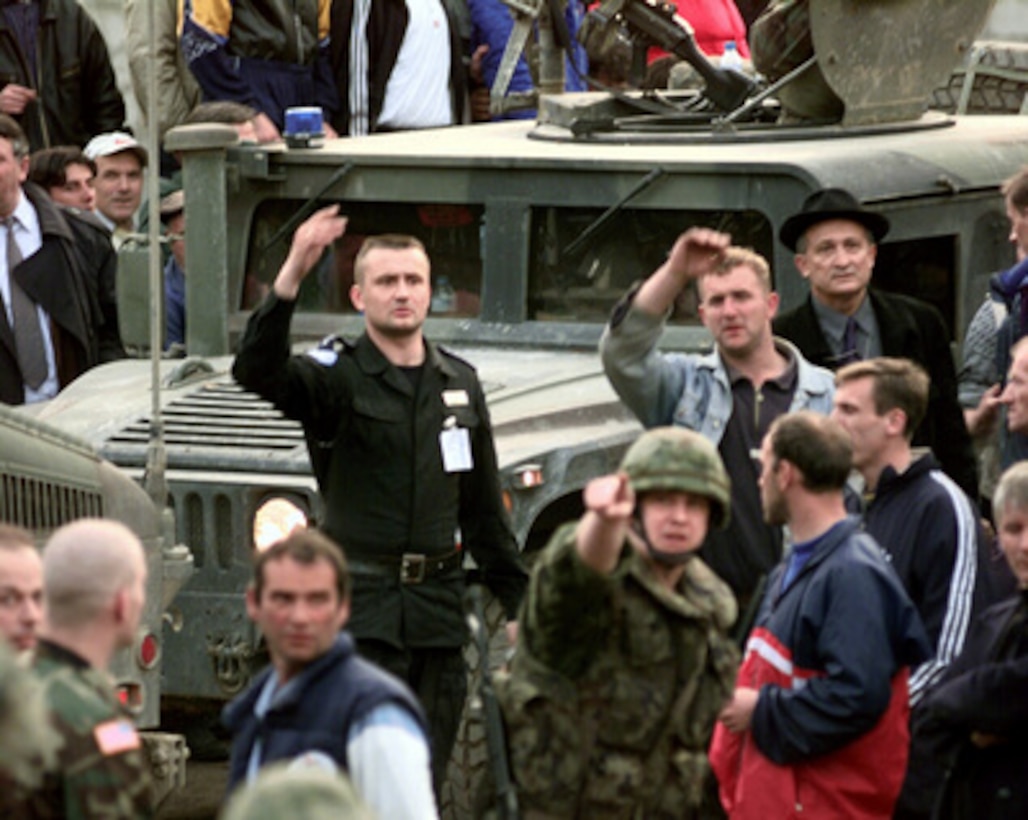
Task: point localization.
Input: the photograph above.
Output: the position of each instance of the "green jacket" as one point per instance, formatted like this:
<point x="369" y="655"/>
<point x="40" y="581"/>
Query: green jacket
<point x="613" y="691"/>
<point x="101" y="769"/>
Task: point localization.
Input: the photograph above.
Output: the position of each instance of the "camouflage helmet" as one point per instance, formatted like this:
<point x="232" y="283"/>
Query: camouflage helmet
<point x="673" y="458"/>
<point x="302" y="789"/>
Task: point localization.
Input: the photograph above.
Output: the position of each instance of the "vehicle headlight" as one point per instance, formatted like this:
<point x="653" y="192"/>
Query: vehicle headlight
<point x="275" y="518"/>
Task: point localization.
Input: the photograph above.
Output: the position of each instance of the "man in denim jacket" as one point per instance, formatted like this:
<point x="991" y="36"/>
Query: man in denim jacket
<point x="730" y="395"/>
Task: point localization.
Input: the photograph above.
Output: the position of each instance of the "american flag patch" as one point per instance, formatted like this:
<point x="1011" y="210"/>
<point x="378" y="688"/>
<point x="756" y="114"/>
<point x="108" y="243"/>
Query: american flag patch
<point x="116" y="736"/>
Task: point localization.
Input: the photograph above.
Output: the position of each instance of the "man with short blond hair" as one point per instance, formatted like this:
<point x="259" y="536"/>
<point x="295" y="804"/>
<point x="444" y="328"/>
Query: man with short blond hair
<point x="731" y="395"/>
<point x="401" y="445"/>
<point x="94" y="587"/>
<point x="21" y="588"/>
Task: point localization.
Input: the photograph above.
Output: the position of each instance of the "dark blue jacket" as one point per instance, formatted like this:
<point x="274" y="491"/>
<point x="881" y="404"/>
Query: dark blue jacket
<point x="931" y="534"/>
<point x="830" y="656"/>
<point x="847" y="621"/>
<point x="982" y="691"/>
<point x="332" y="694"/>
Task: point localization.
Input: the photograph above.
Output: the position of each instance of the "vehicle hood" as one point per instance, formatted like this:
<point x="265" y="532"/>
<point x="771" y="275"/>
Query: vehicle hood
<point x="537" y="399"/>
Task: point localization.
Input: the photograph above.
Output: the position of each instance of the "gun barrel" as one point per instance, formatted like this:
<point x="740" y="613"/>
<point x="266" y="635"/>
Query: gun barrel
<point x="726" y="88"/>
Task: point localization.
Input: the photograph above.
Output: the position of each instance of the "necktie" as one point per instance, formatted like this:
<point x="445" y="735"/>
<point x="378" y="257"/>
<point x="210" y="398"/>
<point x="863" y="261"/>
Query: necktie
<point x="28" y="337"/>
<point x="849" y="353"/>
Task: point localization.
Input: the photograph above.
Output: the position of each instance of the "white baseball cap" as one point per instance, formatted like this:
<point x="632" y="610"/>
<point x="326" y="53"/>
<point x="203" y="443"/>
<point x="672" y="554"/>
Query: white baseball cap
<point x="114" y="142"/>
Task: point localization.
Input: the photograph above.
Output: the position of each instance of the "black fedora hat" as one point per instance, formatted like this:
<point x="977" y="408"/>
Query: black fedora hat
<point x="830" y="203"/>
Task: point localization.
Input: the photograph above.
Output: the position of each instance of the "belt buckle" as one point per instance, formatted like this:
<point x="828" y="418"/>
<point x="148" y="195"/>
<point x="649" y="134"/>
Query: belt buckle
<point x="412" y="568"/>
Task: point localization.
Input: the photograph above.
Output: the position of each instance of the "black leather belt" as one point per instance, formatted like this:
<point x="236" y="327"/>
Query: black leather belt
<point x="409" y="568"/>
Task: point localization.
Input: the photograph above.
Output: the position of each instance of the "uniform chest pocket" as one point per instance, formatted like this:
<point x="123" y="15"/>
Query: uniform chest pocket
<point x="371" y="410"/>
<point x="378" y="435"/>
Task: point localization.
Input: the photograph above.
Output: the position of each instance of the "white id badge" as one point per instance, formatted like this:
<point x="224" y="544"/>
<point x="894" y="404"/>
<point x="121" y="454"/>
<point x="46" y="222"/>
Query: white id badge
<point x="456" y="446"/>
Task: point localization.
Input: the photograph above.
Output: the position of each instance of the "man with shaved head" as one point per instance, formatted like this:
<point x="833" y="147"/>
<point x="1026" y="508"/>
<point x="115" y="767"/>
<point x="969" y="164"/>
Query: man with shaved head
<point x="94" y="581"/>
<point x="21" y="588"/>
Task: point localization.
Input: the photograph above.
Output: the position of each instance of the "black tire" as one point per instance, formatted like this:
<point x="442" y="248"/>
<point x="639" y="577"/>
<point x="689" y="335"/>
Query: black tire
<point x="465" y="794"/>
<point x="1000" y="81"/>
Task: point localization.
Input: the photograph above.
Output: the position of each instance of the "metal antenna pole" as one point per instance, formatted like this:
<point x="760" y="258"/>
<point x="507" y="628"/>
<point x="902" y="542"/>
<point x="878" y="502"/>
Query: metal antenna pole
<point x="157" y="456"/>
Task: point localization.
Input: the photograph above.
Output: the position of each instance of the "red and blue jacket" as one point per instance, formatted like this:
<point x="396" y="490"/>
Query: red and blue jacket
<point x="830" y="657"/>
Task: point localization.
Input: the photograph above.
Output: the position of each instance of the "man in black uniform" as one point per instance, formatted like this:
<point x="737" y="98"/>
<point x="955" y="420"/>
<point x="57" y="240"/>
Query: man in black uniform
<point x="401" y="445"/>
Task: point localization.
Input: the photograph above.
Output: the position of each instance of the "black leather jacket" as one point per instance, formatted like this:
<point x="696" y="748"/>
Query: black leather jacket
<point x="78" y="94"/>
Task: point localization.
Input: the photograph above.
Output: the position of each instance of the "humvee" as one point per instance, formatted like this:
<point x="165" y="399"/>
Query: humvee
<point x="535" y="229"/>
<point x="49" y="478"/>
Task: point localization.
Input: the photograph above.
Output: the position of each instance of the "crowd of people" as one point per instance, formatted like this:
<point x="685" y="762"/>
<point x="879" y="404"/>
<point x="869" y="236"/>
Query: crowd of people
<point x="784" y="599"/>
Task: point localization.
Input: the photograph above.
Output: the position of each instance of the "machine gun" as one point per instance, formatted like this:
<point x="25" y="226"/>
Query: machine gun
<point x="647" y="23"/>
<point x="656" y="23"/>
<point x="496" y="740"/>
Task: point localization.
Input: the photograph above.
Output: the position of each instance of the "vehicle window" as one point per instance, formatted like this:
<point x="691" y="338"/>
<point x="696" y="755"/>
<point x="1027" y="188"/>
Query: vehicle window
<point x="924" y="269"/>
<point x="565" y="283"/>
<point x="585" y="282"/>
<point x="450" y="234"/>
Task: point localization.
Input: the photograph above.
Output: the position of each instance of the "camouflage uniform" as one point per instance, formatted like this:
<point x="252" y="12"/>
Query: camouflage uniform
<point x="101" y="770"/>
<point x="611" y="697"/>
<point x="284" y="790"/>
<point x="28" y="746"/>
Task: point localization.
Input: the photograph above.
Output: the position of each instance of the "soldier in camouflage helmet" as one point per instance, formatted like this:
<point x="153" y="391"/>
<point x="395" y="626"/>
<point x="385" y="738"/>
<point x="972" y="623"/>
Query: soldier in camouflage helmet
<point x="298" y="792"/>
<point x="623" y="661"/>
<point x="94" y="582"/>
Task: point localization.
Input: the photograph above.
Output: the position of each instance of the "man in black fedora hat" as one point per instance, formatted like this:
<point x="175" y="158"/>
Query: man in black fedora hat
<point x="835" y="240"/>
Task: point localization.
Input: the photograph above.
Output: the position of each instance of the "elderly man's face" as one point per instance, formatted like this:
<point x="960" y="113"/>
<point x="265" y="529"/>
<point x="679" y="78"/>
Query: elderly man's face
<point x="1015" y="394"/>
<point x="838" y="258"/>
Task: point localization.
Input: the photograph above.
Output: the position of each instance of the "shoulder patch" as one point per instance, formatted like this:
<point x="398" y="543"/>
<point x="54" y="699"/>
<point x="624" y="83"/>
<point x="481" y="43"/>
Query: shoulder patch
<point x="322" y="356"/>
<point x="116" y="736"/>
<point x="328" y="350"/>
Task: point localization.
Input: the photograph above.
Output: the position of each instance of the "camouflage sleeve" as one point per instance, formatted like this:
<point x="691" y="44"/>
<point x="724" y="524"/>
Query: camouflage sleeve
<point x="102" y="769"/>
<point x="569" y="607"/>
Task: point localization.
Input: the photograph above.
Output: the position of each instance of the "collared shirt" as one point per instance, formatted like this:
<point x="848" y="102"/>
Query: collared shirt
<point x="833" y="325"/>
<point x="753" y="410"/>
<point x="29" y="238"/>
<point x="119" y="234"/>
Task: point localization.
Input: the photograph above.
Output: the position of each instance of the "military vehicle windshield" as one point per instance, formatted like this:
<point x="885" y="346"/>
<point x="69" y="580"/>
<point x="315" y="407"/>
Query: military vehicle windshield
<point x="581" y="260"/>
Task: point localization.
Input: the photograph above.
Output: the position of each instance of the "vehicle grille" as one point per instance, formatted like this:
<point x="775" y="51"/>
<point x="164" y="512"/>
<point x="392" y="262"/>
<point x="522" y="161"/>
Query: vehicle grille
<point x="42" y="505"/>
<point x="218" y="426"/>
<point x="211" y="519"/>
